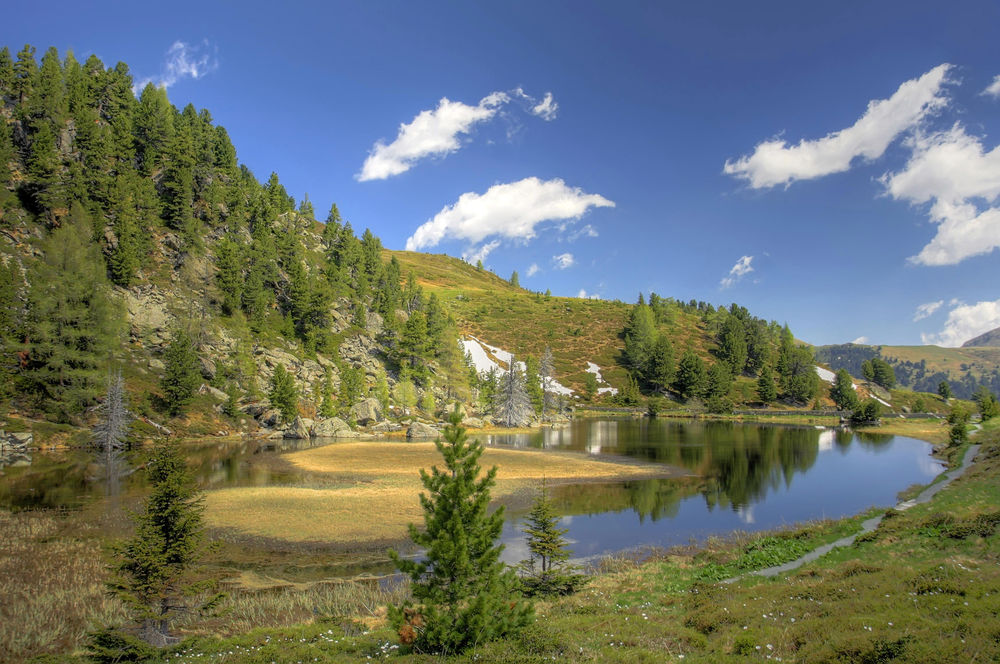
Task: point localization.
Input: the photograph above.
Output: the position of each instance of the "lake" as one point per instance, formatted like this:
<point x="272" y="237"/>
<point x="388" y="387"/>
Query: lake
<point x="742" y="477"/>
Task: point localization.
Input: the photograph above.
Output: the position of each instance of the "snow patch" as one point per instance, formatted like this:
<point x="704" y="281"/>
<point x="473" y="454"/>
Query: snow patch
<point x="486" y="358"/>
<point x="596" y="370"/>
<point x="826" y="374"/>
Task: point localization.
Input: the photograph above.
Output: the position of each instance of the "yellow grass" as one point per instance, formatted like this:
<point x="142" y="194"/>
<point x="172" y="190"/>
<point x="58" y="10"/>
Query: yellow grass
<point x="376" y="486"/>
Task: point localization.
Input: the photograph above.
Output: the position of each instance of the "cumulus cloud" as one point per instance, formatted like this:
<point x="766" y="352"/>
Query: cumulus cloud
<point x="926" y="310"/>
<point x="860" y="340"/>
<point x="993" y="89"/>
<point x="966" y="321"/>
<point x="533" y="269"/>
<point x="439" y="132"/>
<point x="546" y="109"/>
<point x="953" y="172"/>
<point x="775" y="162"/>
<point x="563" y="261"/>
<point x="473" y="255"/>
<point x="183" y="61"/>
<point x="507" y="211"/>
<point x="737" y="272"/>
<point x="584" y="295"/>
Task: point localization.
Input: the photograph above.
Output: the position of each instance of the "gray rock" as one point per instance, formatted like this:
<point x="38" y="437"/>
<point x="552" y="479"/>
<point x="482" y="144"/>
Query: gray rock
<point x="299" y="428"/>
<point x="21" y="438"/>
<point x="333" y="426"/>
<point x="207" y="367"/>
<point x="214" y="391"/>
<point x="270" y="417"/>
<point x="367" y="412"/>
<point x="472" y="423"/>
<point x="156" y="364"/>
<point x="386" y="427"/>
<point x="421" y="430"/>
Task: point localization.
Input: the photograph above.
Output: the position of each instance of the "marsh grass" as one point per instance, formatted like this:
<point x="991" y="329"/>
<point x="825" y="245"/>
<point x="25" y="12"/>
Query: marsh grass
<point x="368" y="492"/>
<point x="51" y="586"/>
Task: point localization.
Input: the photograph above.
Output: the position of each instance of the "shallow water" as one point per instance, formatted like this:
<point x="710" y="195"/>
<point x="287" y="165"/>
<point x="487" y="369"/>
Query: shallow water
<point x="743" y="477"/>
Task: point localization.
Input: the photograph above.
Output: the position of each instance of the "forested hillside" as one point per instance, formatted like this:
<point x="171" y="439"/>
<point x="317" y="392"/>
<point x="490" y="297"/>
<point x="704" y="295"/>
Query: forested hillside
<point x="134" y="240"/>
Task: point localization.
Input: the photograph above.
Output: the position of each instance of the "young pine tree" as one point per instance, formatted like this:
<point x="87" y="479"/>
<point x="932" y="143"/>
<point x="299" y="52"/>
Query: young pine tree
<point x="546" y="571"/>
<point x="464" y="594"/>
<point x="181" y="376"/>
<point x="283" y="394"/>
<point x="152" y="571"/>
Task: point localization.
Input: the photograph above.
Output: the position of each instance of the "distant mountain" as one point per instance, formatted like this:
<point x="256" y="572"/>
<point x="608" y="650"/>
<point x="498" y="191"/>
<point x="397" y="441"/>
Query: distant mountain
<point x="991" y="338"/>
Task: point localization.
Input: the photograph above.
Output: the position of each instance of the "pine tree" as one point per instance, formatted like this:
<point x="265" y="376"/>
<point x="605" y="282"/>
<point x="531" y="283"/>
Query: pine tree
<point x="842" y="391"/>
<point x="464" y="594"/>
<point x="767" y="391"/>
<point x="733" y="344"/>
<point x="545" y="570"/>
<point x="515" y="281"/>
<point x="690" y="379"/>
<point x="181" y="375"/>
<point x="546" y="371"/>
<point x="283" y="395"/>
<point x="352" y="383"/>
<point x="152" y="568"/>
<point x="661" y="369"/>
<point x="511" y="406"/>
<point x="944" y="390"/>
<point x="113" y="417"/>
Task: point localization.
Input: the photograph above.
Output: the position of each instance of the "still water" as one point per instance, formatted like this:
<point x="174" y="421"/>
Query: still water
<point x="742" y="477"/>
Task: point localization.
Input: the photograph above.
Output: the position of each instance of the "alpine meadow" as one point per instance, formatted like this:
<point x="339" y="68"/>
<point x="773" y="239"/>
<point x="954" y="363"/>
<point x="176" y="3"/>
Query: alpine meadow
<point x="632" y="333"/>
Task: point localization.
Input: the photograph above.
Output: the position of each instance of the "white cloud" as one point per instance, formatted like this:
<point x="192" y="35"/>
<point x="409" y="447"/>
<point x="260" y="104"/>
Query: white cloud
<point x="474" y="255"/>
<point x="533" y="269"/>
<point x="431" y="133"/>
<point x="546" y="109"/>
<point x="860" y="340"/>
<point x="737" y="272"/>
<point x="774" y="162"/>
<point x="952" y="171"/>
<point x="584" y="295"/>
<point x="965" y="322"/>
<point x="993" y="89"/>
<point x="563" y="261"/>
<point x="437" y="132"/>
<point x="926" y="310"/>
<point x="510" y="211"/>
<point x="183" y="61"/>
<point x="586" y="231"/>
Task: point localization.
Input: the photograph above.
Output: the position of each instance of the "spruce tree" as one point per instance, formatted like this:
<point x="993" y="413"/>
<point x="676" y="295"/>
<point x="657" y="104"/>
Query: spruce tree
<point x="464" y="594"/>
<point x="546" y="571"/>
<point x="944" y="390"/>
<point x="283" y="395"/>
<point x="842" y="391"/>
<point x="152" y="570"/>
<point x="767" y="391"/>
<point x="690" y="379"/>
<point x="181" y="375"/>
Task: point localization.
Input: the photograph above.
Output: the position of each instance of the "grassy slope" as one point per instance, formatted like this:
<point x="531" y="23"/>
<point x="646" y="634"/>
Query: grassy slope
<point x="577" y="330"/>
<point x="949" y="360"/>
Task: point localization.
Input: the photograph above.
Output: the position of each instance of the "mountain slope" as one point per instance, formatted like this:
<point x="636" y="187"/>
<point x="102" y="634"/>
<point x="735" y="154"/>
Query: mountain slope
<point x="991" y="338"/>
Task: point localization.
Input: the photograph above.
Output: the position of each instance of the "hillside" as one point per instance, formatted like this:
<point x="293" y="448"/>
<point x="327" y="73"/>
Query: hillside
<point x="991" y="338"/>
<point x="922" y="368"/>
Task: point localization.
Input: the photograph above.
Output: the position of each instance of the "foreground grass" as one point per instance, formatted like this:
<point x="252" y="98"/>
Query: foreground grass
<point x="923" y="587"/>
<point x="368" y="492"/>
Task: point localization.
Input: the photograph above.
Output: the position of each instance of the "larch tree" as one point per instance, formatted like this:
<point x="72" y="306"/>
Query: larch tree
<point x="511" y="405"/>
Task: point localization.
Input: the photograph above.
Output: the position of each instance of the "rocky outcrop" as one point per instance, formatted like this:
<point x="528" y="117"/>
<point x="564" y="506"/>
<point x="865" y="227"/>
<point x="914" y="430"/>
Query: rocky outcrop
<point x="299" y="428"/>
<point x="421" y="430"/>
<point x="473" y="423"/>
<point x="330" y="427"/>
<point x="367" y="412"/>
<point x="148" y="315"/>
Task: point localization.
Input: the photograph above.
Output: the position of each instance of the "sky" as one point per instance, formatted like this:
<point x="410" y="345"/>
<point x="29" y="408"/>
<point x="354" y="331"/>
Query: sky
<point x="834" y="167"/>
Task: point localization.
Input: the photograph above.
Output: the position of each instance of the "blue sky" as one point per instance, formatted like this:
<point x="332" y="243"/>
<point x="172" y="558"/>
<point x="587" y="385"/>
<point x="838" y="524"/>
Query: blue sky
<point x="835" y="168"/>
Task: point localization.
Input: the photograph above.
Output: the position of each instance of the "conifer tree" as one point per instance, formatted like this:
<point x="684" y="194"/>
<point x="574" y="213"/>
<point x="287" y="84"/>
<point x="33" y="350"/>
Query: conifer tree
<point x="690" y="379"/>
<point x="661" y="369"/>
<point x="767" y="391"/>
<point x="546" y="571"/>
<point x="546" y="371"/>
<point x="352" y="382"/>
<point x="511" y="406"/>
<point x="944" y="390"/>
<point x="181" y="375"/>
<point x="113" y="417"/>
<point x="590" y="385"/>
<point x="464" y="594"/>
<point x="719" y="380"/>
<point x="283" y="395"/>
<point x="152" y="568"/>
<point x="515" y="281"/>
<point x="842" y="391"/>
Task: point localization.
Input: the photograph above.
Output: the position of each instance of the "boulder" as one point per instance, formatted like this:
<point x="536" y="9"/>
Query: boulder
<point x="386" y="427"/>
<point x="421" y="430"/>
<point x="207" y="368"/>
<point x="156" y="364"/>
<point x="214" y="391"/>
<point x="472" y="423"/>
<point x="368" y="411"/>
<point x="299" y="428"/>
<point x="333" y="426"/>
<point x="270" y="417"/>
